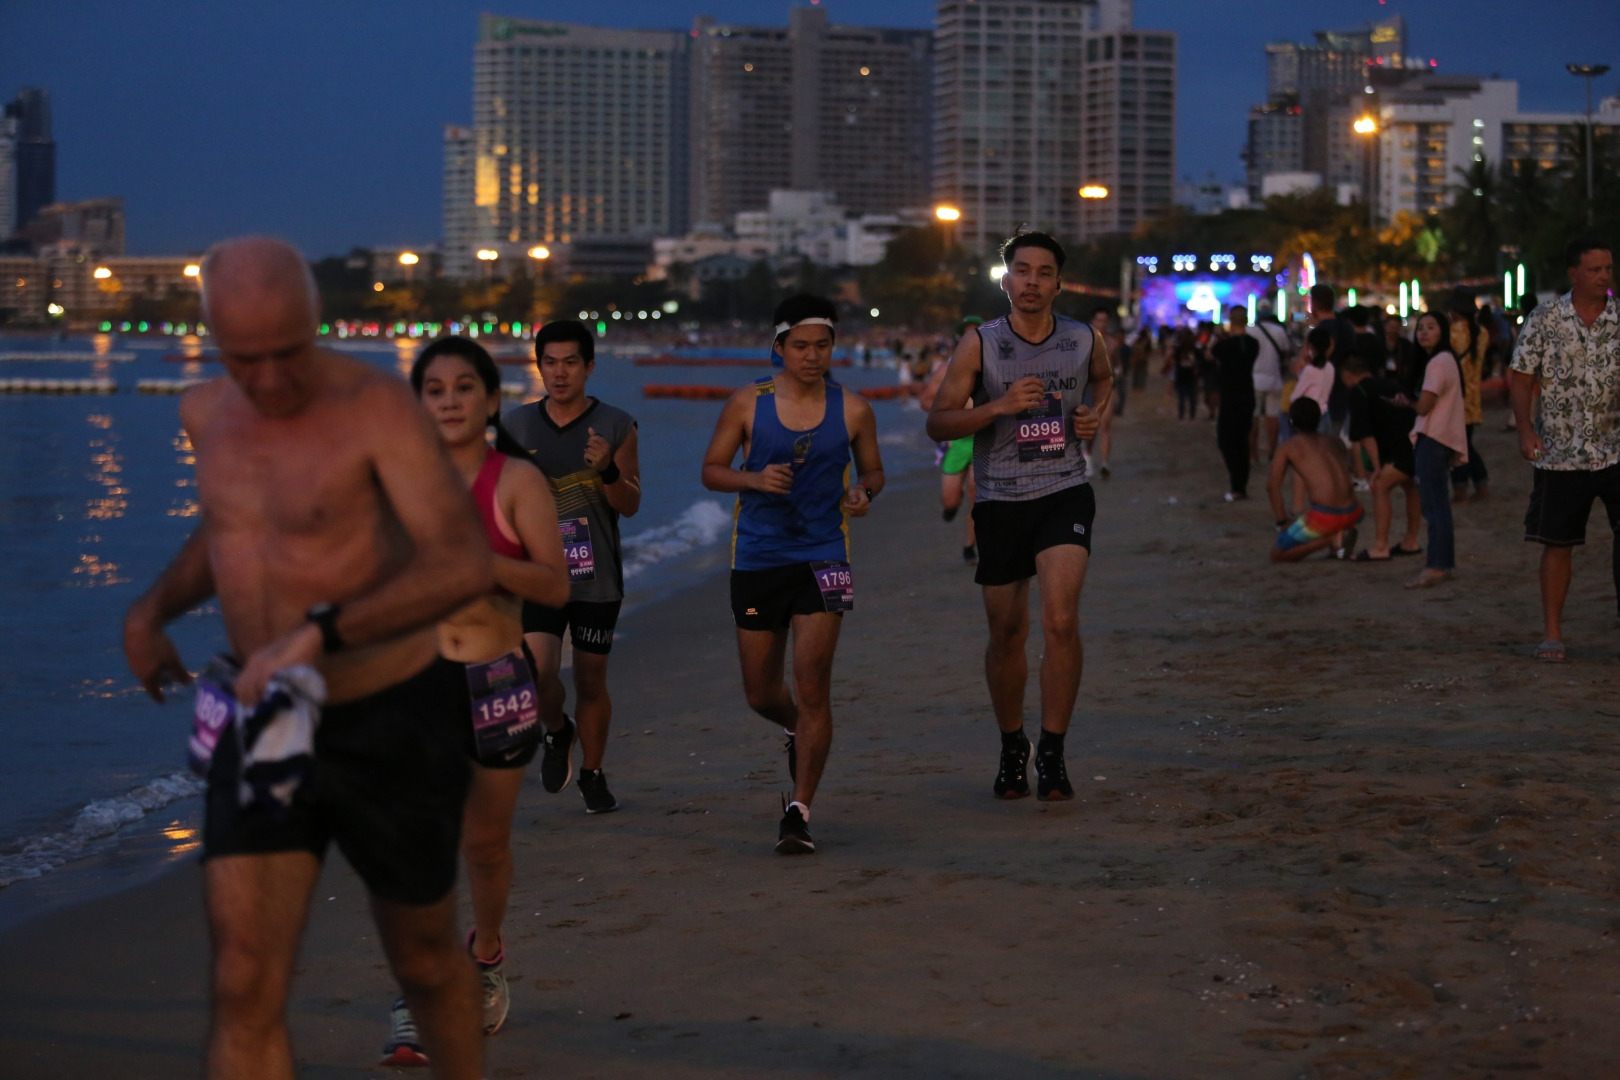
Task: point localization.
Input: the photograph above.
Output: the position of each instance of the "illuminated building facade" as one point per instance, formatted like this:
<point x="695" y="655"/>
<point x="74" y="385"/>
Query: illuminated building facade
<point x="577" y="131"/>
<point x="1034" y="101"/>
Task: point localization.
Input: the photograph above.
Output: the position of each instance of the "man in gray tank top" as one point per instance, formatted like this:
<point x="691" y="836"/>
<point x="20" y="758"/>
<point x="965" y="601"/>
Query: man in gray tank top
<point x="588" y="451"/>
<point x="1026" y="375"/>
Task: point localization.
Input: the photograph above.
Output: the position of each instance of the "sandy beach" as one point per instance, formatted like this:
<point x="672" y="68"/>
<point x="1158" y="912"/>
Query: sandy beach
<point x="1325" y="828"/>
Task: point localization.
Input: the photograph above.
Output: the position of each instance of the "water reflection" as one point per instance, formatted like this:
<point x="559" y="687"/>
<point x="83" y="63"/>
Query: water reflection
<point x="185" y="457"/>
<point x="106" y="469"/>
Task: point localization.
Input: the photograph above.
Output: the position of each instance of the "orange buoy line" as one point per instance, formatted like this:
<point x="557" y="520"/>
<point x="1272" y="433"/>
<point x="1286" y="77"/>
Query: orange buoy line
<point x="668" y="360"/>
<point x="691" y="393"/>
<point x="883" y="393"/>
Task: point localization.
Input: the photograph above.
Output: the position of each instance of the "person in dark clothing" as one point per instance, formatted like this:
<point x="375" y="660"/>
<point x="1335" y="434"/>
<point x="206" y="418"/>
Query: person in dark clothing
<point x="1323" y="299"/>
<point x="1381" y="419"/>
<point x="1406" y="361"/>
<point x="1235" y="353"/>
<point x="1185" y="358"/>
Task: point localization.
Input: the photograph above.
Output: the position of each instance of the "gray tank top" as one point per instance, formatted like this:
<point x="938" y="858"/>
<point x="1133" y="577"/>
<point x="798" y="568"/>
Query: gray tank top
<point x="1035" y="453"/>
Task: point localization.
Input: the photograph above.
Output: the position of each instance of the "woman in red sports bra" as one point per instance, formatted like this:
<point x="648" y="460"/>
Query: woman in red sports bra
<point x="460" y="386"/>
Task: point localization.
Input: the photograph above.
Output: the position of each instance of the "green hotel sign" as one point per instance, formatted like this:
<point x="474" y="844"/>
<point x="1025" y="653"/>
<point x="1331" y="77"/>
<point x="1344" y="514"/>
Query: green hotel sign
<point x="506" y="29"/>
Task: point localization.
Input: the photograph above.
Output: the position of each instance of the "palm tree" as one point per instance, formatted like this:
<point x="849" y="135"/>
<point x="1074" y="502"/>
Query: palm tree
<point x="1472" y="221"/>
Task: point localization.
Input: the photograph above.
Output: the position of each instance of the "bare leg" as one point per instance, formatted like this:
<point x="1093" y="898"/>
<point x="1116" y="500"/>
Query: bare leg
<point x="815" y="637"/>
<point x="950" y="493"/>
<point x="1061" y="571"/>
<point x="971" y="493"/>
<point x="486" y="844"/>
<point x="1310" y="547"/>
<point x="1272" y="430"/>
<point x="593" y="708"/>
<point x="440" y="985"/>
<point x="1006" y="667"/>
<point x="1557" y="566"/>
<point x="1383" y="480"/>
<point x="257" y="905"/>
<point x="763" y="655"/>
<point x="1414" y="515"/>
<point x="548" y="687"/>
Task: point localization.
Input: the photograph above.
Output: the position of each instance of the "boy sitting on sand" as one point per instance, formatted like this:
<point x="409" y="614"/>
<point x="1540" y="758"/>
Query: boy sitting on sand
<point x="1318" y="461"/>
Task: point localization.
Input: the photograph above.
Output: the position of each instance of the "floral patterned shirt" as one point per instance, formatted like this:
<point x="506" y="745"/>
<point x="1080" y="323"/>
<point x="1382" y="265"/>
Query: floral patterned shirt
<point x="1579" y="371"/>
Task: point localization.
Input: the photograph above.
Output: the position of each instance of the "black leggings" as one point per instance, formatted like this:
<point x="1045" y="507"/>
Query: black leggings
<point x="1187" y="395"/>
<point x="1232" y="436"/>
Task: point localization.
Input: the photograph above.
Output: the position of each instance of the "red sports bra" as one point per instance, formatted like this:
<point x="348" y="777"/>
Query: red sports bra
<point x="503" y="540"/>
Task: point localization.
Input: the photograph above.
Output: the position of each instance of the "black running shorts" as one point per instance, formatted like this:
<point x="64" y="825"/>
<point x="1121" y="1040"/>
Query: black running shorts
<point x="1561" y="503"/>
<point x="389" y="783"/>
<point x="768" y="599"/>
<point x="1011" y="534"/>
<point x="590" y="624"/>
<point x="515" y="758"/>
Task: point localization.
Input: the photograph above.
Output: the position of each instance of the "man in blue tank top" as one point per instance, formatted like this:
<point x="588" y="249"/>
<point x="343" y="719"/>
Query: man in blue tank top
<point x="790" y="547"/>
<point x="1026" y="375"/>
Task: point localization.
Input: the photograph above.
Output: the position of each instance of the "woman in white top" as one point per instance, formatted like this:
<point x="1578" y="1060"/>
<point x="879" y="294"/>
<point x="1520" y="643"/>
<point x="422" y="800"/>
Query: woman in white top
<point x="1440" y="440"/>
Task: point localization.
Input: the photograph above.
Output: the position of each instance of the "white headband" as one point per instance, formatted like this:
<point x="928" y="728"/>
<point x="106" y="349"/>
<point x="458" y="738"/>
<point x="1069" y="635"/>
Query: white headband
<point x="782" y="327"/>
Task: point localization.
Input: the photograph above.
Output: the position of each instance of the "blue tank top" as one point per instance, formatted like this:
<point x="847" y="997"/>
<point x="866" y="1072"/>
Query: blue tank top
<point x="808" y="524"/>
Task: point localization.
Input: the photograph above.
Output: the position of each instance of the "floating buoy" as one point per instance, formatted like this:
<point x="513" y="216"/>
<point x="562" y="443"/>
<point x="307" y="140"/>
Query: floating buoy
<point x="883" y="393"/>
<point x="167" y="386"/>
<point x="691" y="393"/>
<point x="58" y="386"/>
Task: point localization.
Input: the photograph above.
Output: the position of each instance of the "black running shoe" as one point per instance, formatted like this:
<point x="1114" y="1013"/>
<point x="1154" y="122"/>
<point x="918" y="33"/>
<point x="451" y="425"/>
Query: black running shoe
<point x="593" y="786"/>
<point x="793" y="837"/>
<point x="1052" y="777"/>
<point x="950" y="514"/>
<point x="970" y="555"/>
<point x="557" y="758"/>
<point x="792" y="749"/>
<point x="1012" y="781"/>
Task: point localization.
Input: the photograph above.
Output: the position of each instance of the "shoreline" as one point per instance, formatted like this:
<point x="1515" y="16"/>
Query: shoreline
<point x="1323" y="828"/>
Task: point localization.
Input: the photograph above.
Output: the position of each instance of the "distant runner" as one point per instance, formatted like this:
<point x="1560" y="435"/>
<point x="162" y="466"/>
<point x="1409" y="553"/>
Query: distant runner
<point x="336" y="534"/>
<point x="1026" y="375"/>
<point x="499" y="718"/>
<point x="790" y="551"/>
<point x="954" y="458"/>
<point x="588" y="450"/>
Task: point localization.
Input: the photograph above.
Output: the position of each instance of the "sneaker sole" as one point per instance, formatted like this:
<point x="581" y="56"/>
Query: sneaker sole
<point x="573" y="737"/>
<point x="794" y="846"/>
<point x="566" y="780"/>
<point x="602" y="809"/>
<point x="1056" y="796"/>
<point x="405" y="1057"/>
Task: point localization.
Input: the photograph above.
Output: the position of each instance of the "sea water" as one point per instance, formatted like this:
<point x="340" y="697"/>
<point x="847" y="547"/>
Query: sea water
<point x="96" y="495"/>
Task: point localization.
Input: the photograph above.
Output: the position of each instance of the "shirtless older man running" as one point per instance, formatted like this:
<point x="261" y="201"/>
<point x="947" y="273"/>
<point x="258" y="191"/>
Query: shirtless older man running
<point x="335" y="534"/>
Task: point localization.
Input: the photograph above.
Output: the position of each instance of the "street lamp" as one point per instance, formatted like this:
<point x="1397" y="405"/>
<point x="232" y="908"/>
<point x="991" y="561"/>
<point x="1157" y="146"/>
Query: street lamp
<point x="1588" y="72"/>
<point x="539" y="251"/>
<point x="948" y="216"/>
<point x="1094" y="191"/>
<point x="487" y="256"/>
<point x="409" y="259"/>
<point x="1367" y="128"/>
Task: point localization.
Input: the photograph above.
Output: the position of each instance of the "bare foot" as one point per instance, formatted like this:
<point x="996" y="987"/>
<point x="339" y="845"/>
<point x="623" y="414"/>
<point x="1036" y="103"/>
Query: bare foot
<point x="1428" y="579"/>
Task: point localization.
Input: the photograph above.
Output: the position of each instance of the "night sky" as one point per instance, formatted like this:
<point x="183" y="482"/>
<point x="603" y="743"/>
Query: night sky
<point x="320" y="120"/>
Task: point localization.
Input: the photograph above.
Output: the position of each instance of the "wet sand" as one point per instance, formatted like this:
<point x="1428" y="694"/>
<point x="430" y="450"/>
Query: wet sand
<point x="1324" y="828"/>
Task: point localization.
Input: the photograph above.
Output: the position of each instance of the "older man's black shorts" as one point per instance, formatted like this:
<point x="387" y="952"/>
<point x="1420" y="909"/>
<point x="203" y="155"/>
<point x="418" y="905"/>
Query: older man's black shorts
<point x="389" y="783"/>
<point x="1561" y="503"/>
<point x="1011" y="534"/>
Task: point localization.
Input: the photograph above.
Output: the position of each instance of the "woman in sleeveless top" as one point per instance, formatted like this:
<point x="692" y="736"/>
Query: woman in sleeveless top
<point x="460" y="386"/>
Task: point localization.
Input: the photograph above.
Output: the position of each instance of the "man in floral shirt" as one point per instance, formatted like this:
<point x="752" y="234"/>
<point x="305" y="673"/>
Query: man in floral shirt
<point x="1570" y="349"/>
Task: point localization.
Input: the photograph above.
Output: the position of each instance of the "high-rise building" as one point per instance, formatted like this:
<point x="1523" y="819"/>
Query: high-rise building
<point x="815" y="106"/>
<point x="459" y="190"/>
<point x="1314" y="94"/>
<point x="35" y="153"/>
<point x="1034" y="101"/>
<point x="91" y="227"/>
<point x="578" y="131"/>
<point x="8" y="175"/>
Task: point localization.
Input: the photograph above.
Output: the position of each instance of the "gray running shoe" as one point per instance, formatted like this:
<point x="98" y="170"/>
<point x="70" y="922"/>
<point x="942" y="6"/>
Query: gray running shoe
<point x="497" y="995"/>
<point x="404" y="1045"/>
<point x="557" y="757"/>
<point x="593" y="786"/>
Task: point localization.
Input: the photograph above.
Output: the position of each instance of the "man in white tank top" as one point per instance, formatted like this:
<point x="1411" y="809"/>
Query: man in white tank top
<point x="1026" y="375"/>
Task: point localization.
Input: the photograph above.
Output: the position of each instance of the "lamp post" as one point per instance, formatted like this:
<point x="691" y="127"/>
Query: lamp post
<point x="409" y="259"/>
<point x="1588" y="72"/>
<point x="948" y="216"/>
<point x="1367" y="128"/>
<point x="541" y="254"/>
<point x="487" y="256"/>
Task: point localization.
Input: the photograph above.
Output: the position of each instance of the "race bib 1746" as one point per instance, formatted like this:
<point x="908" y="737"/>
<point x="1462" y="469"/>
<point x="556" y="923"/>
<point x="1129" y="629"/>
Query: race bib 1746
<point x="576" y="539"/>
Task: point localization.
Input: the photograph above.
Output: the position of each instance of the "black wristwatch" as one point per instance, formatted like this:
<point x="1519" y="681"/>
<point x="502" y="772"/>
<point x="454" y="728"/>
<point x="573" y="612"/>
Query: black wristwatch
<point x="325" y="617"/>
<point x="870" y="494"/>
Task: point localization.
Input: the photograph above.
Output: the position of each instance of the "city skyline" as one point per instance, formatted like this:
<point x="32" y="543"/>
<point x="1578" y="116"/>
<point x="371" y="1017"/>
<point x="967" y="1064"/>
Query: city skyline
<point x="326" y="126"/>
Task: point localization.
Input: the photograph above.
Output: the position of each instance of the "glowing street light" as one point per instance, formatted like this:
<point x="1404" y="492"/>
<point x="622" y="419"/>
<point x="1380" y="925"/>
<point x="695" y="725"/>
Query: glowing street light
<point x="409" y="258"/>
<point x="488" y="254"/>
<point x="192" y="270"/>
<point x="1366" y="126"/>
<point x="1094" y="191"/>
<point x="539" y="251"/>
<point x="947" y="213"/>
<point x="102" y="273"/>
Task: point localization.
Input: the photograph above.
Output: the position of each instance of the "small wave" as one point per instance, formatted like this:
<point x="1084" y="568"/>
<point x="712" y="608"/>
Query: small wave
<point x="700" y="525"/>
<point x="92" y="830"/>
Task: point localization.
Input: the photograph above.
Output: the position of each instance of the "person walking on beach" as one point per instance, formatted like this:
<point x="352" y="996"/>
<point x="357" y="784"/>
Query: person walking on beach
<point x="1381" y="419"/>
<point x="1102" y="321"/>
<point x="1185" y="358"/>
<point x="1329" y="520"/>
<point x="499" y="718"/>
<point x="955" y="459"/>
<point x="1272" y="340"/>
<point x="589" y="452"/>
<point x="790" y="558"/>
<point x="1439" y="441"/>
<point x="1570" y="350"/>
<point x="1235" y="353"/>
<point x="1026" y="375"/>
<point x="336" y="534"/>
